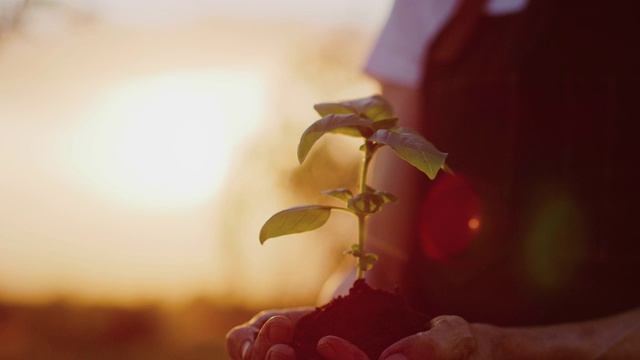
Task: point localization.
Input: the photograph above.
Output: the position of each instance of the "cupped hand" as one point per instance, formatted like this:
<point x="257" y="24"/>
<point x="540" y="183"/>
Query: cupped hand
<point x="450" y="338"/>
<point x="266" y="336"/>
<point x="269" y="333"/>
<point x="335" y="348"/>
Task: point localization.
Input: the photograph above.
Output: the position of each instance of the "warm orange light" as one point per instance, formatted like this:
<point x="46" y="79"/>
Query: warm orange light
<point x="167" y="141"/>
<point x="110" y="188"/>
<point x="474" y="223"/>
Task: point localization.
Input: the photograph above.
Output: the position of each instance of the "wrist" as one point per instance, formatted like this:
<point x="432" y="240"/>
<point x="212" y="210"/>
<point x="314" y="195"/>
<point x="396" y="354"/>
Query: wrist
<point x="489" y="340"/>
<point x="553" y="342"/>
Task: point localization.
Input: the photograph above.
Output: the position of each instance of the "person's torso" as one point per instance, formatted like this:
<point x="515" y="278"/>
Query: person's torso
<point x="538" y="115"/>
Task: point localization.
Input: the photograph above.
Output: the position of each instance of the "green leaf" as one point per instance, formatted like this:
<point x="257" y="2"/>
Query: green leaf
<point x="447" y="169"/>
<point x="343" y="194"/>
<point x="369" y="260"/>
<point x="325" y="109"/>
<point x="295" y="220"/>
<point x="366" y="203"/>
<point x="374" y="107"/>
<point x="352" y="131"/>
<point x="354" y="250"/>
<point x="330" y="123"/>
<point x="413" y="148"/>
<point x="387" y="197"/>
<point x="385" y="123"/>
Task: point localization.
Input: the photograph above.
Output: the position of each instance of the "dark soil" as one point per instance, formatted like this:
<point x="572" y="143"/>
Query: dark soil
<point x="369" y="318"/>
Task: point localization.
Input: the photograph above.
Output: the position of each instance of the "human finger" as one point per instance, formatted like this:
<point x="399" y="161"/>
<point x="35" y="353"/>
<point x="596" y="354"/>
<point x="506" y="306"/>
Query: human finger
<point x="281" y="352"/>
<point x="335" y="348"/>
<point x="239" y="341"/>
<point x="277" y="330"/>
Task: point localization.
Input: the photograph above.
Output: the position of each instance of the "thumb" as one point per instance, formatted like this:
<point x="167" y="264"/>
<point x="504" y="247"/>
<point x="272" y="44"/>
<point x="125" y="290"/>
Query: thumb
<point x="335" y="348"/>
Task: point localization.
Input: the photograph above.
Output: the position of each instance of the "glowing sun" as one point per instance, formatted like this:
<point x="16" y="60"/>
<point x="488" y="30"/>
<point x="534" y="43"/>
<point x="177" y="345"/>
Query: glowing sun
<point x="168" y="140"/>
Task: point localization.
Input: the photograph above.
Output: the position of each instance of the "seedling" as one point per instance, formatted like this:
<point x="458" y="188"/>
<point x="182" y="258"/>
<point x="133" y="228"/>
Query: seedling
<point x="371" y="119"/>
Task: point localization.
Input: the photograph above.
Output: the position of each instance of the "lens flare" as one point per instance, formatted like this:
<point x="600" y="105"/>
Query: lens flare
<point x="474" y="223"/>
<point x="557" y="241"/>
<point x="450" y="218"/>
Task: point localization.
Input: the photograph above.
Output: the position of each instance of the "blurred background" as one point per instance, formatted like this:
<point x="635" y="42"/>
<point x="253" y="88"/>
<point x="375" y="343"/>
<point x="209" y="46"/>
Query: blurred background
<point x="143" y="144"/>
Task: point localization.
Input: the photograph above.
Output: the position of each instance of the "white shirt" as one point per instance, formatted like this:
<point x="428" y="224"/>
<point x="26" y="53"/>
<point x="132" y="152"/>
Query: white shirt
<point x="398" y="54"/>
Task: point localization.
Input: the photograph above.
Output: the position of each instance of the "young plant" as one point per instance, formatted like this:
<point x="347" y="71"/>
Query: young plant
<point x="371" y="119"/>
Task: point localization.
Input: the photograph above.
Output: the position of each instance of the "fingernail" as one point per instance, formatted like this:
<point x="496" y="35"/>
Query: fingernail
<point x="274" y="355"/>
<point x="396" y="356"/>
<point x="278" y="333"/>
<point x="245" y="348"/>
<point x="325" y="348"/>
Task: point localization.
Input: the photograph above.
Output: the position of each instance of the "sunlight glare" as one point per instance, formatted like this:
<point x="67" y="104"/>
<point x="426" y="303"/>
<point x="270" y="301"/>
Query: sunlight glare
<point x="168" y="141"/>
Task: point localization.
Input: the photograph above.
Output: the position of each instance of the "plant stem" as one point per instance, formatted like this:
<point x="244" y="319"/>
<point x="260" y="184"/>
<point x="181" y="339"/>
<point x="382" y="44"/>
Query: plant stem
<point x="365" y="168"/>
<point x="361" y="265"/>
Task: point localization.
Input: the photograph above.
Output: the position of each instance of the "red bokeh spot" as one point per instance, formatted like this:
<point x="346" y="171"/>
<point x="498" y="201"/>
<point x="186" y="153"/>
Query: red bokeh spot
<point x="450" y="218"/>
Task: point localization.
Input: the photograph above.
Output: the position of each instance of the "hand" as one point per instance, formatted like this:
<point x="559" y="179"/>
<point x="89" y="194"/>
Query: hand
<point x="266" y="336"/>
<point x="450" y="338"/>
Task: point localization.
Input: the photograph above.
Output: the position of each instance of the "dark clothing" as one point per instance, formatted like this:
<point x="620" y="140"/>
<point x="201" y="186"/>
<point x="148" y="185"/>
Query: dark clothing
<point x="539" y="114"/>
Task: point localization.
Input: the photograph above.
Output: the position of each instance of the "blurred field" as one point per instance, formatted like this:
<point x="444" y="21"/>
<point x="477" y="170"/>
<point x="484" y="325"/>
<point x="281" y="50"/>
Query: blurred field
<point x="64" y="330"/>
<point x="94" y="204"/>
<point x="77" y="254"/>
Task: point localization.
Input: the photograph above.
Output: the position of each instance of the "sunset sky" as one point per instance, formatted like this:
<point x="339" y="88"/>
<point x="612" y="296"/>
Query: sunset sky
<point x="132" y="132"/>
